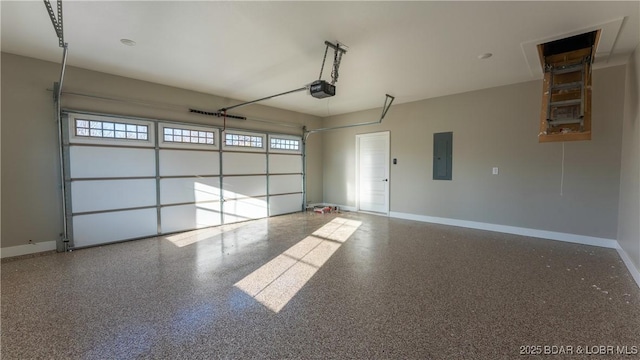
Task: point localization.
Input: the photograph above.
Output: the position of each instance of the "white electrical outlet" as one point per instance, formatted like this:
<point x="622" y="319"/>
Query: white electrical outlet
<point x="495" y="171"/>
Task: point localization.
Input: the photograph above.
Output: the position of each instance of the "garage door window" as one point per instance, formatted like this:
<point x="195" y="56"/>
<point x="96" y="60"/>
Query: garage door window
<point x="188" y="136"/>
<point x="242" y="140"/>
<point x="111" y="130"/>
<point x="285" y="144"/>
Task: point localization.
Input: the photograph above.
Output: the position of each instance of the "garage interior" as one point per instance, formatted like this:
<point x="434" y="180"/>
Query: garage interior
<point x="177" y="183"/>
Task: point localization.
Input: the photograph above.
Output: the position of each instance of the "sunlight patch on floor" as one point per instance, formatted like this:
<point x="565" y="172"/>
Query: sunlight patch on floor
<point x="278" y="281"/>
<point x="194" y="236"/>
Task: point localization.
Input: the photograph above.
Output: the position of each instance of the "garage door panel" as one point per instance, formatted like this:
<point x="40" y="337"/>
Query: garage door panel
<point x="94" y="229"/>
<point x="284" y="184"/>
<point x="106" y="162"/>
<point x="285" y="164"/>
<point x="285" y="204"/>
<point x="189" y="217"/>
<point x="97" y="195"/>
<point x="243" y="163"/>
<point x="245" y="209"/>
<point x="187" y="162"/>
<point x="189" y="190"/>
<point x="244" y="186"/>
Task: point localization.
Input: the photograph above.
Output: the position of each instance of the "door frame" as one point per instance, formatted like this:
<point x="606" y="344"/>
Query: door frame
<point x="388" y="170"/>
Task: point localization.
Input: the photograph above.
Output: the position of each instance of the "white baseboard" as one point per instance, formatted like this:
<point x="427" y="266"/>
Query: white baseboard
<point x="551" y="235"/>
<point x="347" y="208"/>
<point x="27" y="249"/>
<point x="635" y="273"/>
<point x="544" y="234"/>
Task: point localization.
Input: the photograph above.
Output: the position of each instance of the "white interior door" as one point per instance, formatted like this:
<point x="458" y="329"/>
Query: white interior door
<point x="373" y="172"/>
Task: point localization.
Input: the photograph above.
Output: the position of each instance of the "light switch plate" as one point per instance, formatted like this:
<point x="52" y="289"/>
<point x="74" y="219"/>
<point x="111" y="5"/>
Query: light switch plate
<point x="495" y="171"/>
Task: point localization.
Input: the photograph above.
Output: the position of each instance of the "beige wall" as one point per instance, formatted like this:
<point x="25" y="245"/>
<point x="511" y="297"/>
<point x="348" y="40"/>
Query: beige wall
<point x="629" y="224"/>
<point x="494" y="127"/>
<point x="31" y="205"/>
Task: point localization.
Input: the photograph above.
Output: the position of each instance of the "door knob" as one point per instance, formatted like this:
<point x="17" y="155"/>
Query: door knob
<point x="385" y="180"/>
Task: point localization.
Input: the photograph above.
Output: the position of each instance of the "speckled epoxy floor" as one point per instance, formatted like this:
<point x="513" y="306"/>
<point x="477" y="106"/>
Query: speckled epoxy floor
<point x="396" y="289"/>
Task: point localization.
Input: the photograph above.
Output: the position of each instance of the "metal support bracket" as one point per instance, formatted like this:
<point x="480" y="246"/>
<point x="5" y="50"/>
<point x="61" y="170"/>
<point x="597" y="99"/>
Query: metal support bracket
<point x="56" y="21"/>
<point x="57" y="94"/>
<point x="56" y="91"/>
<point x="388" y="100"/>
<point x="338" y="51"/>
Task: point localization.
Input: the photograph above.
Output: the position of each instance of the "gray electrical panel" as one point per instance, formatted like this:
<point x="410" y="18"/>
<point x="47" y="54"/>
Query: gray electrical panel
<point x="442" y="155"/>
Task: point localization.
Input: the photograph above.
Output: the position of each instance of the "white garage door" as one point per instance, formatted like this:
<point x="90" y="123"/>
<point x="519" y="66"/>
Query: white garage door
<point x="133" y="178"/>
<point x="189" y="174"/>
<point x="244" y="183"/>
<point x="285" y="174"/>
<point x="112" y="179"/>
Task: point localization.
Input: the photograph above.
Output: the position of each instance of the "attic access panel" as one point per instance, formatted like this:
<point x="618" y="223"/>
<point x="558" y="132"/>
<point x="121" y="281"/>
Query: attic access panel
<point x="572" y="43"/>
<point x="566" y="99"/>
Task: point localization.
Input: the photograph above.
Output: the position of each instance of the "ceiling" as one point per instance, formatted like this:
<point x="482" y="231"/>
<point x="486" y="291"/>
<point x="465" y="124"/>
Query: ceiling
<point x="248" y="50"/>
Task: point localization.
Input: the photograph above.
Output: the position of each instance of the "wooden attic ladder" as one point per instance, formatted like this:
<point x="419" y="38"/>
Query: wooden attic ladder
<point x="566" y="99"/>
